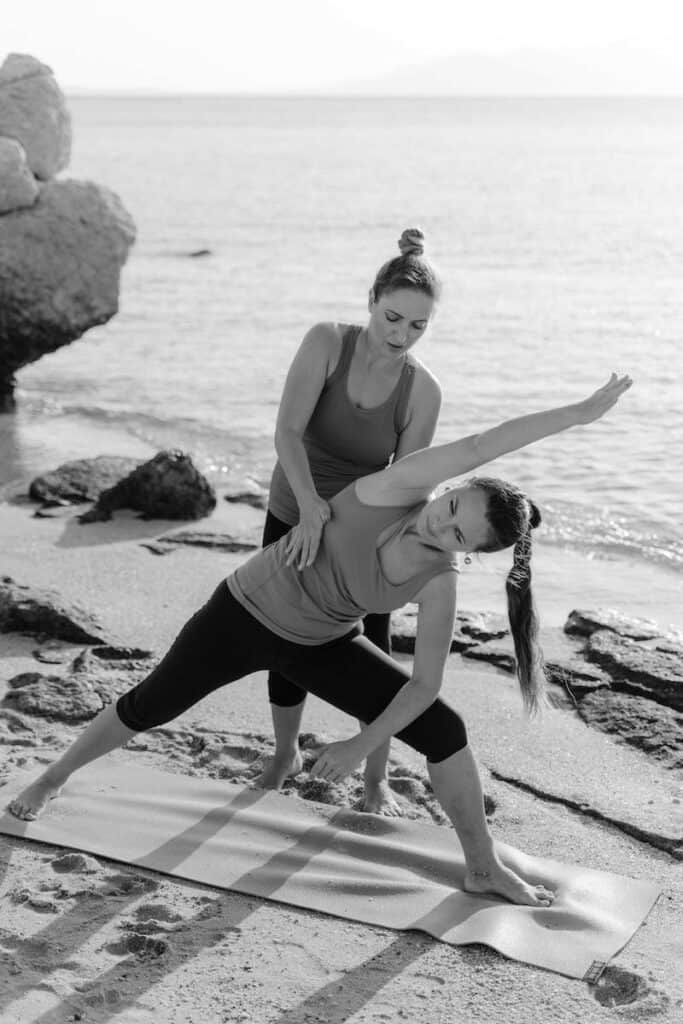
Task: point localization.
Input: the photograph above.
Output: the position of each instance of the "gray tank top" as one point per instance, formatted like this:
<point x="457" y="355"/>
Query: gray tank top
<point x="324" y="602"/>
<point x="342" y="441"/>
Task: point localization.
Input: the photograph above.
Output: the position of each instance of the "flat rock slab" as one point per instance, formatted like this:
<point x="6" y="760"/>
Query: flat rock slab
<point x="656" y="673"/>
<point x="583" y="622"/>
<point x="653" y="728"/>
<point x="197" y="538"/>
<point x="471" y="629"/>
<point x="255" y="498"/>
<point x="96" y="677"/>
<point x="43" y="612"/>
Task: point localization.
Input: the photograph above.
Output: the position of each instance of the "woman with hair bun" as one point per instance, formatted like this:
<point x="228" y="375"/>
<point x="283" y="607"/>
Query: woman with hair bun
<point x="388" y="541"/>
<point x="355" y="398"/>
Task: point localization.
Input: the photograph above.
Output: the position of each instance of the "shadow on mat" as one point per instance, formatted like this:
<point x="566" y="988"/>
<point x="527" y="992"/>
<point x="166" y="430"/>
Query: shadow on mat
<point x="263" y="881"/>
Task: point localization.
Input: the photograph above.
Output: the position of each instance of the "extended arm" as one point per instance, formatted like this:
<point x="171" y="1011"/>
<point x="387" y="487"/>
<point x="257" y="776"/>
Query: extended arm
<point x="434" y="633"/>
<point x="415" y="475"/>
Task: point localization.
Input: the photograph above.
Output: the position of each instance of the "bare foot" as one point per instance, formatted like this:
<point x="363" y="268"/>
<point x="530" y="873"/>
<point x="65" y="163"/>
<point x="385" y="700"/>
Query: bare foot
<point x="32" y="801"/>
<point x="501" y="881"/>
<point x="378" y="799"/>
<point x="279" y="768"/>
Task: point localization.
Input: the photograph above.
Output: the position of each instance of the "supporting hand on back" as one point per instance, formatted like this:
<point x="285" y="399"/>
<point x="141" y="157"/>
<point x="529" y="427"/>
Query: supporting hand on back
<point x="304" y="538"/>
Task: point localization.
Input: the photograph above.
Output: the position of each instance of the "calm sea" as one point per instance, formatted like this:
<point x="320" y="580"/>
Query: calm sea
<point x="558" y="228"/>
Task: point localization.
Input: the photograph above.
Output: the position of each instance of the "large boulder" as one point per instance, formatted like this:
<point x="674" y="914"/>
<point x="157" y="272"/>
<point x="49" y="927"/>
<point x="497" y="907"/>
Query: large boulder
<point x="18" y="187"/>
<point x="82" y="480"/>
<point x="169" y="486"/>
<point x="33" y="111"/>
<point x="60" y="264"/>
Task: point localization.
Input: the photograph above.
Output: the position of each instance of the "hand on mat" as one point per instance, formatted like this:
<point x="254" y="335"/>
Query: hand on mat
<point x="597" y="404"/>
<point x="304" y="538"/>
<point x="337" y="760"/>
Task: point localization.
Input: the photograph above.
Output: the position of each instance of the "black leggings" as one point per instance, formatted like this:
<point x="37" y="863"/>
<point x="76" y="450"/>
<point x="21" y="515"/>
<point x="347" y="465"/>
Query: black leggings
<point x="376" y="627"/>
<point x="223" y="642"/>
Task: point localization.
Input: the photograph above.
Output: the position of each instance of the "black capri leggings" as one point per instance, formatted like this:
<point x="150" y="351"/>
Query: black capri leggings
<point x="223" y="642"/>
<point x="376" y="627"/>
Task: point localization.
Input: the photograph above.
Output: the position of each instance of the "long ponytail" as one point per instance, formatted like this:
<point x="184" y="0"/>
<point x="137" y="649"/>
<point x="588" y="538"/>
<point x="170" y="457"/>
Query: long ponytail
<point x="512" y="517"/>
<point x="524" y="626"/>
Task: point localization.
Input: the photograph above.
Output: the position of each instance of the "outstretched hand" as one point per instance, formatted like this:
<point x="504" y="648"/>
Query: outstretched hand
<point x="337" y="760"/>
<point x="597" y="404"/>
<point x="304" y="538"/>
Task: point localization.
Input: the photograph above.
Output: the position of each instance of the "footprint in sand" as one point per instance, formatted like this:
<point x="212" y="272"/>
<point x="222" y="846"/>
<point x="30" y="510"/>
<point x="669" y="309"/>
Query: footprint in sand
<point x="141" y="946"/>
<point x="130" y="885"/>
<point x="41" y="904"/>
<point x="157" y="912"/>
<point x="75" y="862"/>
<point x="153" y="918"/>
<point x="619" y="987"/>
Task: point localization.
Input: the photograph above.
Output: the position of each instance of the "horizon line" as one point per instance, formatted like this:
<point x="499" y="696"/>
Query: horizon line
<point x="84" y="93"/>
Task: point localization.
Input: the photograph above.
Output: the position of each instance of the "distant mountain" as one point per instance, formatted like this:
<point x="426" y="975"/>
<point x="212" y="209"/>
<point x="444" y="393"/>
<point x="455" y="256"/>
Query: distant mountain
<point x="531" y="72"/>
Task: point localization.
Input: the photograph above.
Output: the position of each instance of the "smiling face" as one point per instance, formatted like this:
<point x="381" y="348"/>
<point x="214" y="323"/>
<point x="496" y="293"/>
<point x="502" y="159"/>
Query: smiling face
<point x="398" y="319"/>
<point x="455" y="521"/>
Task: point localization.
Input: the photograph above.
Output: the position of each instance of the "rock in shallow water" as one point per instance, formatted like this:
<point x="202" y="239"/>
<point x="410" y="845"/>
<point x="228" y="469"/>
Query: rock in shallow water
<point x="60" y="264"/>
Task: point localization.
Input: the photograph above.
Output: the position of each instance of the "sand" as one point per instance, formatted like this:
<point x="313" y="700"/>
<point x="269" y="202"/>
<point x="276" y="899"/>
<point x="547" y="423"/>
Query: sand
<point x="87" y="939"/>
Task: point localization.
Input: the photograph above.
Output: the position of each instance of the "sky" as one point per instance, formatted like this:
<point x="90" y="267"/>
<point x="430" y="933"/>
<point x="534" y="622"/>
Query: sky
<point x="272" y="46"/>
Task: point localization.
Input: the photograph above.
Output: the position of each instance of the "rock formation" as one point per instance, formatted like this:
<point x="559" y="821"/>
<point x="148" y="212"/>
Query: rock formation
<point x="62" y="243"/>
<point x="33" y="111"/>
<point x="81" y="480"/>
<point x="621" y="675"/>
<point x="169" y="486"/>
<point x="43" y="612"/>
<point x="18" y="187"/>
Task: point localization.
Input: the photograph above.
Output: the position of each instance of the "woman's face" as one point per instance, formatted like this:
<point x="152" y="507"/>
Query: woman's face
<point x="456" y="520"/>
<point x="398" y="319"/>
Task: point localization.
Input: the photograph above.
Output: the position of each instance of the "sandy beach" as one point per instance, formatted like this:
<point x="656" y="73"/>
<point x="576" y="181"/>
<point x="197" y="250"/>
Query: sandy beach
<point x="83" y="938"/>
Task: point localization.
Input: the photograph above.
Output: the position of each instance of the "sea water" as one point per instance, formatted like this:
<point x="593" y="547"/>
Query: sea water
<point x="557" y="227"/>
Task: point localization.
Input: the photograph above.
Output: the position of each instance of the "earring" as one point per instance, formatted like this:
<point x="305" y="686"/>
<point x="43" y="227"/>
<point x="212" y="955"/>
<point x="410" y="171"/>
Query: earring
<point x="468" y="559"/>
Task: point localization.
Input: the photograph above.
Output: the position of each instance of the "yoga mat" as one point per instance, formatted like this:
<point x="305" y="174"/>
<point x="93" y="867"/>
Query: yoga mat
<point x="382" y="871"/>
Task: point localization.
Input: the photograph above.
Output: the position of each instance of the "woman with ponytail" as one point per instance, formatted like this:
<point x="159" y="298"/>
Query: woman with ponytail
<point x="355" y="398"/>
<point x="388" y="541"/>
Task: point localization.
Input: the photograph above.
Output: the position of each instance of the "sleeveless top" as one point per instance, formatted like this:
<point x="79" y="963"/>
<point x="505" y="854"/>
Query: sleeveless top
<point x="342" y="441"/>
<point x="324" y="601"/>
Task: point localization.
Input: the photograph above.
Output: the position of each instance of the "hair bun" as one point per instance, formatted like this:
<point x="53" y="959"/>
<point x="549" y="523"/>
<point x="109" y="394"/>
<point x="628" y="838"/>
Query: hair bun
<point x="535" y="517"/>
<point x="412" y="242"/>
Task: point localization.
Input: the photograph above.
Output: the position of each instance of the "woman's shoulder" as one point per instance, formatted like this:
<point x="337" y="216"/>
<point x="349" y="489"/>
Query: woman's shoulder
<point x="328" y="332"/>
<point x="325" y="339"/>
<point x="426" y="387"/>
